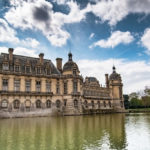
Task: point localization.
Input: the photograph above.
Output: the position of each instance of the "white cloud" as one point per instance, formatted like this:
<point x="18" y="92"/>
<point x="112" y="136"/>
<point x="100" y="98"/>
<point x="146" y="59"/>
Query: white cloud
<point x="21" y="51"/>
<point x="91" y="35"/>
<point x="7" y="34"/>
<point x="115" y="39"/>
<point x="145" y="40"/>
<point x="29" y="42"/>
<point x="114" y="11"/>
<point x="135" y="74"/>
<point x="38" y="15"/>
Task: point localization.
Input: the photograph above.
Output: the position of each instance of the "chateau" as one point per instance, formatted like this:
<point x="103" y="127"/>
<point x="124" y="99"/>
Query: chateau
<point x="35" y="87"/>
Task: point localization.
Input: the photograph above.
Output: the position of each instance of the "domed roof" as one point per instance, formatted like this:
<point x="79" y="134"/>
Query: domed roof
<point x="114" y="75"/>
<point x="70" y="65"/>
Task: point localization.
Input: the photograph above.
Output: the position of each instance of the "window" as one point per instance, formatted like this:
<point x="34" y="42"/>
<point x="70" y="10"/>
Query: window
<point x="38" y="70"/>
<point x="65" y="88"/>
<point x="75" y="86"/>
<point x="5" y="66"/>
<point x="48" y="86"/>
<point x="38" y="104"/>
<point x="17" y="68"/>
<point x="16" y="104"/>
<point x="17" y="85"/>
<point x="104" y="104"/>
<point x="98" y="104"/>
<point x="28" y="85"/>
<point x="27" y="69"/>
<point x="48" y="71"/>
<point x="86" y="103"/>
<point x="109" y="104"/>
<point x="65" y="102"/>
<point x="48" y="104"/>
<point x="38" y="86"/>
<point x="4" y="104"/>
<point x="92" y="103"/>
<point x="57" y="88"/>
<point x="75" y="103"/>
<point x="58" y="103"/>
<point x="5" y="85"/>
<point x="74" y="72"/>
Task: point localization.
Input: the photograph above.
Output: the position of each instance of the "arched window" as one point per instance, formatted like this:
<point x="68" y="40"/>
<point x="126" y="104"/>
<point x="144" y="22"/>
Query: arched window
<point x="16" y="104"/>
<point x="4" y="104"/>
<point x="104" y="104"/>
<point x="58" y="103"/>
<point x="38" y="104"/>
<point x="86" y="103"/>
<point x="109" y="104"/>
<point x="75" y="103"/>
<point x="28" y="103"/>
<point x="98" y="103"/>
<point x="92" y="103"/>
<point x="48" y="104"/>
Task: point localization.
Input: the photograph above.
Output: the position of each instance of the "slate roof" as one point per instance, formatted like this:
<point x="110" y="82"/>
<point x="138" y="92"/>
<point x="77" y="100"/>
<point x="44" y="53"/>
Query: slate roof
<point x="23" y="61"/>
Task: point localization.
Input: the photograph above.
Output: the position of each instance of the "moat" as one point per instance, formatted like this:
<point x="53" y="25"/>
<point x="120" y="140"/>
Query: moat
<point x="95" y="132"/>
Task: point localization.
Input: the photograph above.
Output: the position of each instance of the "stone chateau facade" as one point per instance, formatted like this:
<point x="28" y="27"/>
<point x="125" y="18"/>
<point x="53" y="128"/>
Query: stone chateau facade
<point x="35" y="87"/>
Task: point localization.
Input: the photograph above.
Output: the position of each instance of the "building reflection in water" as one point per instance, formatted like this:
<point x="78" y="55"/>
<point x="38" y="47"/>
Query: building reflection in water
<point x="64" y="133"/>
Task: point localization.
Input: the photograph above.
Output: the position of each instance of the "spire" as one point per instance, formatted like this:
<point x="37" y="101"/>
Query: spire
<point x="114" y="69"/>
<point x="70" y="56"/>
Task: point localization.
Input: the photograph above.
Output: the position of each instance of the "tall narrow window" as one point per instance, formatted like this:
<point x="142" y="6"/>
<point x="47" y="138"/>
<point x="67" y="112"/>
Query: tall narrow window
<point x="17" y="68"/>
<point x="58" y="103"/>
<point x="92" y="103"/>
<point x="38" y="86"/>
<point x="65" y="102"/>
<point x="57" y="88"/>
<point x="75" y="86"/>
<point x="65" y="88"/>
<point x="98" y="104"/>
<point x="38" y="70"/>
<point x="16" y="104"/>
<point x="28" y="85"/>
<point x="17" y="85"/>
<point x="27" y="69"/>
<point x="48" y="86"/>
<point x="38" y="104"/>
<point x="5" y="66"/>
<point x="5" y="85"/>
<point x="74" y="72"/>
<point x="48" y="104"/>
<point x="76" y="103"/>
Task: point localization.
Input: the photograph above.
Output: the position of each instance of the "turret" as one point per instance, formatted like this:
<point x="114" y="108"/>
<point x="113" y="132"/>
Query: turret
<point x="115" y="84"/>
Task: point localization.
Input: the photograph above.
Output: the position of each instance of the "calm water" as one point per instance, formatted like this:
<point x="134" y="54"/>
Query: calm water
<point x="115" y="131"/>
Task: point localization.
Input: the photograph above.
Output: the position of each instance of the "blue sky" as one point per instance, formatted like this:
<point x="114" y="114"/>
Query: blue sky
<point x="99" y="33"/>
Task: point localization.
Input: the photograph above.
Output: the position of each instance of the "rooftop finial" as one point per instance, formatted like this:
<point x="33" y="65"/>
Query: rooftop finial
<point x="114" y="69"/>
<point x="70" y="56"/>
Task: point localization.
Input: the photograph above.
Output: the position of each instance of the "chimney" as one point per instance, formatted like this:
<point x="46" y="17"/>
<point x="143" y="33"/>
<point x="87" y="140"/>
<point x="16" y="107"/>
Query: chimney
<point x="41" y="56"/>
<point x="59" y="64"/>
<point x="107" y="80"/>
<point x="10" y="50"/>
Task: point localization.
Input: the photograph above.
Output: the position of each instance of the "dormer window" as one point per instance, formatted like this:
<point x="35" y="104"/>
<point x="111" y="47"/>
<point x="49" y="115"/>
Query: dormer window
<point x="27" y="69"/>
<point x="5" y="66"/>
<point x="74" y="72"/>
<point x="17" y="68"/>
<point x="38" y="70"/>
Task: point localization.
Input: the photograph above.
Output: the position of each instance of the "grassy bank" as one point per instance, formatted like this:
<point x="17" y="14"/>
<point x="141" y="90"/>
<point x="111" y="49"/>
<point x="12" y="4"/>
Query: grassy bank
<point x="140" y="110"/>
